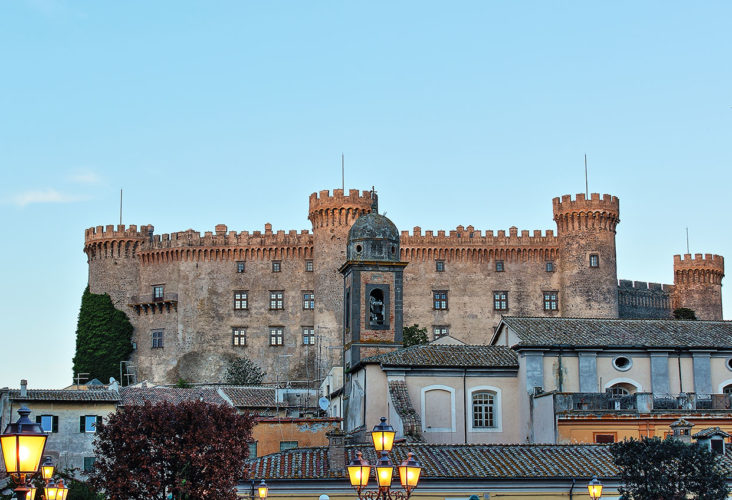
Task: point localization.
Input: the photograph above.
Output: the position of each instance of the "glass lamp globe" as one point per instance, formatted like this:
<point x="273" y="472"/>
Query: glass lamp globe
<point x="22" y="444"/>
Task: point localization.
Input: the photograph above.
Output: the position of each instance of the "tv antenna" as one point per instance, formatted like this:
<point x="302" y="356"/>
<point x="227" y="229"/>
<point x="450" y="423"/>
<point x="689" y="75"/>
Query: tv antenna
<point x="687" y="240"/>
<point x="343" y="171"/>
<point x="587" y="189"/>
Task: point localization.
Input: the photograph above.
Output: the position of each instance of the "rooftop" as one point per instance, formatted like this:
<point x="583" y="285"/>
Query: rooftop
<point x="602" y="332"/>
<point x="443" y="356"/>
<point x="65" y="395"/>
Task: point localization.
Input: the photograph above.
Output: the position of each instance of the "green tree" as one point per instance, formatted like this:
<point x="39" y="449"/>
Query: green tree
<point x="103" y="337"/>
<point x="684" y="313"/>
<point x="414" y="335"/>
<point x="243" y="371"/>
<point x="669" y="469"/>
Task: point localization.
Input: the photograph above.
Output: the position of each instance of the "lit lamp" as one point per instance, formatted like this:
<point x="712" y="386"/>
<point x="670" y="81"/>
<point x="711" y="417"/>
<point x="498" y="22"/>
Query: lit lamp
<point x="409" y="471"/>
<point x="595" y="488"/>
<point x="359" y="471"/>
<point x="31" y="492"/>
<point x="262" y="489"/>
<point x="52" y="491"/>
<point x="383" y="436"/>
<point x="384" y="471"/>
<point x="47" y="469"/>
<point x="22" y="445"/>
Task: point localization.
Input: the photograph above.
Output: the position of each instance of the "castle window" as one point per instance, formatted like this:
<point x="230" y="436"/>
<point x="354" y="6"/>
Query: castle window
<point x="308" y="300"/>
<point x="49" y="423"/>
<point x="500" y="301"/>
<point x="549" y="267"/>
<point x="499" y="266"/>
<point x="550" y="301"/>
<point x="594" y="260"/>
<point x="309" y="266"/>
<point x="241" y="266"/>
<point x="158" y="292"/>
<point x="89" y="463"/>
<point x="622" y="363"/>
<point x="440" y="331"/>
<point x="277" y="300"/>
<point x="727" y="389"/>
<point x="620" y="390"/>
<point x="439" y="300"/>
<point x="604" y="438"/>
<point x="376" y="307"/>
<point x="88" y="423"/>
<point x="276" y="266"/>
<point x="276" y="335"/>
<point x="157" y="339"/>
<point x="484" y="409"/>
<point x="308" y="335"/>
<point x="252" y="449"/>
<point x="440" y="266"/>
<point x="239" y="336"/>
<point x="241" y="300"/>
<point x="288" y="445"/>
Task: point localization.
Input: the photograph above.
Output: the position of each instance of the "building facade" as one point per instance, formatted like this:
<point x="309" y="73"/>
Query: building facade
<point x="197" y="301"/>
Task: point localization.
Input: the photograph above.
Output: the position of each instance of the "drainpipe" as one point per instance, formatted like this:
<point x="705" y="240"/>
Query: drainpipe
<point x="465" y="409"/>
<point x="571" y="489"/>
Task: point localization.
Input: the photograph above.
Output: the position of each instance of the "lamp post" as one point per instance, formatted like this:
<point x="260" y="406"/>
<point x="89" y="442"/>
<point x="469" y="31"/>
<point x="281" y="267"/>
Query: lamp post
<point x="595" y="488"/>
<point x="359" y="469"/>
<point x="22" y="443"/>
<point x="262" y="490"/>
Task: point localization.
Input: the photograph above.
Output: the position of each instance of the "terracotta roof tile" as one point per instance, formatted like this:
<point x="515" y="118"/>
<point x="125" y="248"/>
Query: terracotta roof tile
<point x="138" y="395"/>
<point x="441" y="355"/>
<point x="403" y="406"/>
<point x="620" y="332"/>
<point x="65" y="395"/>
<point x="249" y="397"/>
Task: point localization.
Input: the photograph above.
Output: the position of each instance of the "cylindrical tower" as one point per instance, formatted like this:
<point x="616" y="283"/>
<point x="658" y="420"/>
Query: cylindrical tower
<point x="698" y="284"/>
<point x="332" y="217"/>
<point x="113" y="263"/>
<point x="587" y="261"/>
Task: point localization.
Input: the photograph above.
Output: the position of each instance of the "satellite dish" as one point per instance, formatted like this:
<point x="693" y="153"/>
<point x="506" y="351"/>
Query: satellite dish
<point x="323" y="403"/>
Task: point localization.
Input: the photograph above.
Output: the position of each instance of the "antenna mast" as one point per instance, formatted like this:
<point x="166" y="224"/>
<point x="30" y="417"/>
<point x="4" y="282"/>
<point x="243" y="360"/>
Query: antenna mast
<point x="587" y="189"/>
<point x="120" y="207"/>
<point x="343" y="171"/>
<point x="687" y="240"/>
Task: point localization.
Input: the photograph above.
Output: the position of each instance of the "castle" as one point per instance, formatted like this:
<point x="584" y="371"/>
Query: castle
<point x="277" y="298"/>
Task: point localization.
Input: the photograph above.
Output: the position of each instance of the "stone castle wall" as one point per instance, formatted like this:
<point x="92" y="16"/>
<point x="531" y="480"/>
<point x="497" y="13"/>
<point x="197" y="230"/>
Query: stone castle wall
<point x="199" y="275"/>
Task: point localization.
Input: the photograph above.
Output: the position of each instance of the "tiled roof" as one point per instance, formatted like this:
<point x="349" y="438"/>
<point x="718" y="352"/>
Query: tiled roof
<point x="65" y="395"/>
<point x="620" y="332"/>
<point x="175" y="395"/>
<point x="709" y="432"/>
<point x="403" y="406"/>
<point x="436" y="355"/>
<point x="455" y="461"/>
<point x="251" y="397"/>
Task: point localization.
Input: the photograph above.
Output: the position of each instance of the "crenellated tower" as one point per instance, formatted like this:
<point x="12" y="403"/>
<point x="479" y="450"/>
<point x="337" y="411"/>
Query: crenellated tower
<point x="114" y="265"/>
<point x="698" y="284"/>
<point x="588" y="268"/>
<point x="332" y="217"/>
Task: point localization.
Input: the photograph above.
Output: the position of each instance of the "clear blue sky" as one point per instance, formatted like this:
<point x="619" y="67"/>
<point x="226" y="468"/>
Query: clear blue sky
<point x="458" y="112"/>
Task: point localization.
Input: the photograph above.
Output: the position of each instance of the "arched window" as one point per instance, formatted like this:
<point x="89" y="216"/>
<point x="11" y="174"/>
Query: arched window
<point x="484" y="410"/>
<point x="621" y="389"/>
<point x="727" y="389"/>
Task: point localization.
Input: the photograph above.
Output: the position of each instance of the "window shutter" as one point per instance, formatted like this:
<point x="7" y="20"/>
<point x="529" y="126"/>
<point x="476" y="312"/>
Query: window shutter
<point x="38" y="419"/>
<point x="81" y="424"/>
<point x="99" y="421"/>
<point x="55" y="424"/>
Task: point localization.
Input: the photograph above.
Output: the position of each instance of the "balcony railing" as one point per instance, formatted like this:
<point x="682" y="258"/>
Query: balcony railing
<point x="151" y="303"/>
<point x="642" y="402"/>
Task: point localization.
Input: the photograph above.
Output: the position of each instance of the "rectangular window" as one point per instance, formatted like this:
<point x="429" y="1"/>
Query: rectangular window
<point x="253" y="449"/>
<point x="440" y="331"/>
<point x="157" y="339"/>
<point x="241" y="266"/>
<point x="484" y="410"/>
<point x="439" y="301"/>
<point x="88" y="423"/>
<point x="594" y="260"/>
<point x="239" y="336"/>
<point x="89" y="463"/>
<point x="309" y="266"/>
<point x="158" y="292"/>
<point x="604" y="438"/>
<point x="287" y="445"/>
<point x="550" y="267"/>
<point x="500" y="301"/>
<point x="276" y="266"/>
<point x="499" y="266"/>
<point x="440" y="266"/>
<point x="308" y="300"/>
<point x="277" y="300"/>
<point x="49" y="423"/>
<point x="550" y="301"/>
<point x="276" y="335"/>
<point x="241" y="300"/>
<point x="308" y="335"/>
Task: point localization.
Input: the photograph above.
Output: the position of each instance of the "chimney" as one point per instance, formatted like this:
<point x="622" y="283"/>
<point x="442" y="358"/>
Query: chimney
<point x="23" y="388"/>
<point x="336" y="451"/>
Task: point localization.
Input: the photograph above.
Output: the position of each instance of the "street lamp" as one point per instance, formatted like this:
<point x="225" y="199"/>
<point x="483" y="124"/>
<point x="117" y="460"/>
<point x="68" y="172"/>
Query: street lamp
<point x="47" y="469"/>
<point x="22" y="443"/>
<point x="595" y="488"/>
<point x="359" y="469"/>
<point x="262" y="490"/>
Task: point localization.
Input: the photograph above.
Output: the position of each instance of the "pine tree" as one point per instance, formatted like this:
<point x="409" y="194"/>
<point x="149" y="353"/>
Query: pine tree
<point x="103" y="337"/>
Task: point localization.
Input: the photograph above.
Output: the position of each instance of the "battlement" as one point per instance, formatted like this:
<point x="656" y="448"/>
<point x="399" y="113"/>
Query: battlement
<point x="119" y="232"/>
<point x="643" y="286"/>
<point x="469" y="236"/>
<point x="566" y="204"/>
<point x="707" y="262"/>
<point x="221" y="237"/>
<point x="324" y="200"/>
